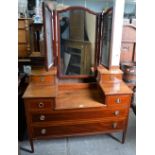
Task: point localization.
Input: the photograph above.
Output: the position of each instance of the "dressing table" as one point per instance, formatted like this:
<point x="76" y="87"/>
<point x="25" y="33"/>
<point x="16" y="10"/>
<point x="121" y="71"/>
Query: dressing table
<point x="63" y="99"/>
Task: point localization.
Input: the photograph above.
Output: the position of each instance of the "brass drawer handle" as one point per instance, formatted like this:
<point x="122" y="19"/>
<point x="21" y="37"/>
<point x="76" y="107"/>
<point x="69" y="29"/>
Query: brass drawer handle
<point x="118" y="100"/>
<point x="41" y="105"/>
<point x="42" y="117"/>
<point x="117" y="112"/>
<point x="114" y="125"/>
<point x="42" y="79"/>
<point x="43" y="131"/>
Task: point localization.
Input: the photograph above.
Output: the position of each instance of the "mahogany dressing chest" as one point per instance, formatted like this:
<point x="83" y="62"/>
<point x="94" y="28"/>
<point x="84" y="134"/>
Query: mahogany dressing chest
<point x="79" y="92"/>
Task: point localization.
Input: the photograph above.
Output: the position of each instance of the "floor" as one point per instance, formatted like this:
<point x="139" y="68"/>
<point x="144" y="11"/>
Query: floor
<point x="86" y="145"/>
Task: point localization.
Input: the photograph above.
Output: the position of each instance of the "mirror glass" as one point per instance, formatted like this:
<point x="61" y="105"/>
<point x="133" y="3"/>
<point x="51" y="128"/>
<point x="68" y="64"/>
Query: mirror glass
<point x="77" y="42"/>
<point x="48" y="37"/>
<point x="106" y="40"/>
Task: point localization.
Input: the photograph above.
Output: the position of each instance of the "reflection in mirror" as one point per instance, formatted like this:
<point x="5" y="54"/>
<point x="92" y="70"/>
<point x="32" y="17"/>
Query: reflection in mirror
<point x="77" y="42"/>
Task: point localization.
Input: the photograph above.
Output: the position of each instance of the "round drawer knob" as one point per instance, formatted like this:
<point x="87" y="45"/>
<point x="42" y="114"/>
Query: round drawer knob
<point x="41" y="105"/>
<point x="118" y="100"/>
<point x="43" y="131"/>
<point x="114" y="125"/>
<point x="116" y="112"/>
<point x="42" y="117"/>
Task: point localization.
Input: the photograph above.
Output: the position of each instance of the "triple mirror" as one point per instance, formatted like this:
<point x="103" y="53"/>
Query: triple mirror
<point x="82" y="38"/>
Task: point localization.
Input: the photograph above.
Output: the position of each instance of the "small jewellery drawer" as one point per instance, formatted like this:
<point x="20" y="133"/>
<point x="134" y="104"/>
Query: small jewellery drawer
<point x="50" y="79"/>
<point x="111" y="77"/>
<point x="118" y="100"/>
<point x="72" y="116"/>
<point x="81" y="128"/>
<point x="40" y="104"/>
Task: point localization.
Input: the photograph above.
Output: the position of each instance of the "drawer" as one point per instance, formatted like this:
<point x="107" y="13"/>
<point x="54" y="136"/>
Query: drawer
<point x="39" y="104"/>
<point x="110" y="77"/>
<point x="77" y="129"/>
<point x="21" y="24"/>
<point x="118" y="100"/>
<point x="78" y="115"/>
<point x="23" y="50"/>
<point x="43" y="79"/>
<point x="22" y="36"/>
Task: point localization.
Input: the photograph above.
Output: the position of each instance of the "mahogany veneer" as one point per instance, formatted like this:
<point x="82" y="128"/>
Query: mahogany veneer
<point x="69" y="109"/>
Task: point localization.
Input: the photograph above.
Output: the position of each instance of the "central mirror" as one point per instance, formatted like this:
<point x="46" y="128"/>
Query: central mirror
<point x="77" y="37"/>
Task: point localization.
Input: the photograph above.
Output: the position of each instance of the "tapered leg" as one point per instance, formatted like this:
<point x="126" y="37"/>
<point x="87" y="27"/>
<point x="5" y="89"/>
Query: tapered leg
<point x="123" y="136"/>
<point x="31" y="144"/>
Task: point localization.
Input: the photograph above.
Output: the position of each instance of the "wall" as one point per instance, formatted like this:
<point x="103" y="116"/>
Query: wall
<point x="22" y="6"/>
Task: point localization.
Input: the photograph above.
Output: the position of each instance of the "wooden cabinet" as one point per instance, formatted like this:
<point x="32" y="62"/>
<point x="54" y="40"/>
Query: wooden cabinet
<point x="24" y="49"/>
<point x="128" y="46"/>
<point x="57" y="106"/>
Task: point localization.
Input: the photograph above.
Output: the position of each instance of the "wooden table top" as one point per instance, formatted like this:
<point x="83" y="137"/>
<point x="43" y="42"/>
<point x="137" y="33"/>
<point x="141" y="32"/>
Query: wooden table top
<point x="34" y="91"/>
<point x="79" y="98"/>
<point x="110" y="88"/>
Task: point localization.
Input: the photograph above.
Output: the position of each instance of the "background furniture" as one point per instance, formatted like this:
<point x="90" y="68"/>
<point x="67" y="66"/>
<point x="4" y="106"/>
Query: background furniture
<point x="24" y="49"/>
<point x="128" y="48"/>
<point x="128" y="59"/>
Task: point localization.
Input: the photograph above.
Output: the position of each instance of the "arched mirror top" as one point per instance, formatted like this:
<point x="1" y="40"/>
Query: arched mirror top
<point x="70" y="8"/>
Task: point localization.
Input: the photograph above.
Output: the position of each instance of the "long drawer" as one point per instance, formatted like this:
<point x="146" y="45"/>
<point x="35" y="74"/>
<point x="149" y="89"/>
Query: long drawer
<point x="77" y="129"/>
<point x="77" y="115"/>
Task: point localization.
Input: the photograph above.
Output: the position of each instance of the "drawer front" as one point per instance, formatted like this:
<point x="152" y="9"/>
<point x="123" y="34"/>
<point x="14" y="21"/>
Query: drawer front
<point x="23" y="50"/>
<point x="21" y="24"/>
<point x="68" y="116"/>
<point x="22" y="36"/>
<point x="40" y="104"/>
<point x="43" y="79"/>
<point x="110" y="77"/>
<point x="116" y="100"/>
<point x="68" y="130"/>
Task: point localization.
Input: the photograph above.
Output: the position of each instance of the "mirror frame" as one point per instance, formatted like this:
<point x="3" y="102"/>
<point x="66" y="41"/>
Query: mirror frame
<point x="97" y="14"/>
<point x="47" y="66"/>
